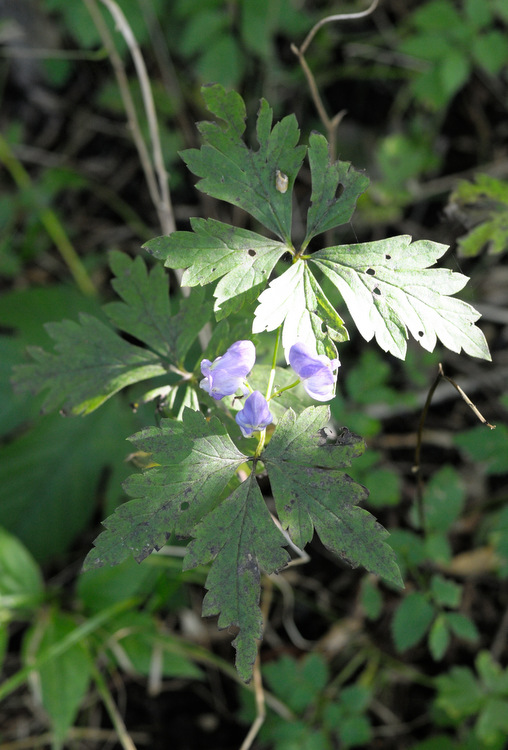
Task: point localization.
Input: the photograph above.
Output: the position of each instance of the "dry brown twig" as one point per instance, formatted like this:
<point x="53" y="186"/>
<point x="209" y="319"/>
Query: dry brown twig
<point x="331" y="123"/>
<point x="153" y="166"/>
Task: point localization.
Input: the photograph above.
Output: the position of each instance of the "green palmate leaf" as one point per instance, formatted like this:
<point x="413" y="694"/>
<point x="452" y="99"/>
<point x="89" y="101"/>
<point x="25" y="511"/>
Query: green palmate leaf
<point x="335" y="189"/>
<point x="213" y="250"/>
<point x="312" y="491"/>
<point x="146" y="310"/>
<point x="194" y="460"/>
<point x="232" y="172"/>
<point x="242" y="539"/>
<point x="296" y="301"/>
<point x="91" y="364"/>
<point x="389" y="289"/>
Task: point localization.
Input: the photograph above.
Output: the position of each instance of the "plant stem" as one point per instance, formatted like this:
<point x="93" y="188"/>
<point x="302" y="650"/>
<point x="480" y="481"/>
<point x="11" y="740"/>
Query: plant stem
<point x="49" y="221"/>
<point x="286" y="388"/>
<point x="271" y="379"/>
<point x="121" y="730"/>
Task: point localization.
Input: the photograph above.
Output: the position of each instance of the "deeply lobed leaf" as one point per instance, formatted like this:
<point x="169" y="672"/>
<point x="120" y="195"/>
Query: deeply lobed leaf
<point x="311" y="491"/>
<point x="91" y="364"/>
<point x="243" y="260"/>
<point x="242" y="539"/>
<point x="389" y="288"/>
<point x="230" y="171"/>
<point x="193" y="462"/>
<point x="146" y="312"/>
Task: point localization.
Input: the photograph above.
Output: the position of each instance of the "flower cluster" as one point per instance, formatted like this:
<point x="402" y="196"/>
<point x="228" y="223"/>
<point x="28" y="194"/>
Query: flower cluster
<point x="227" y="375"/>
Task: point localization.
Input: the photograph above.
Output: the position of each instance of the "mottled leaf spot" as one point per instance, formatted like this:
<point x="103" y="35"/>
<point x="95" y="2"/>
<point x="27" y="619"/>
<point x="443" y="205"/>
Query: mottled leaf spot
<point x="184" y="505"/>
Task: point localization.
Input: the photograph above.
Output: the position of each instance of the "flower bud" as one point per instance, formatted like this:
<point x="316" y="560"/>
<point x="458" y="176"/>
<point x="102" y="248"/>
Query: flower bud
<point x="255" y="415"/>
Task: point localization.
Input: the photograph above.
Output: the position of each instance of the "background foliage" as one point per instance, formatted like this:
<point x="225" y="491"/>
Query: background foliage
<point x="347" y="661"/>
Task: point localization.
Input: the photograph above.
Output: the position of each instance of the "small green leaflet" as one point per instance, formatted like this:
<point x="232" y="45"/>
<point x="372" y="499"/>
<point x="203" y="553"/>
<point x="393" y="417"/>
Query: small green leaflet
<point x="388" y="288"/>
<point x="232" y="172"/>
<point x="213" y="250"/>
<point x="192" y="490"/>
<point x="311" y="491"/>
<point x="91" y="364"/>
<point x="335" y="189"/>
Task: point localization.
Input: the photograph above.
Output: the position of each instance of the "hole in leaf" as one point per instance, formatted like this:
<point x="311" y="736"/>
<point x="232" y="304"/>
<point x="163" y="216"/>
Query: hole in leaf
<point x="377" y="291"/>
<point x="339" y="191"/>
<point x="184" y="505"/>
<point x="213" y="270"/>
<point x="420" y="334"/>
<point x="251" y="252"/>
<point x="388" y="257"/>
<point x="370" y="271"/>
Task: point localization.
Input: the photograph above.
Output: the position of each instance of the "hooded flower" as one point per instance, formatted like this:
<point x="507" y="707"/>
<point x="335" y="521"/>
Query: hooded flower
<point x="255" y="414"/>
<point x="316" y="371"/>
<point x="226" y="374"/>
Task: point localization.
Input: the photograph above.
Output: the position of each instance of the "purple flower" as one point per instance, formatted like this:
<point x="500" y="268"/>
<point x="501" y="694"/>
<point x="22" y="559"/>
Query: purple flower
<point x="316" y="371"/>
<point x="226" y="374"/>
<point x="255" y="414"/>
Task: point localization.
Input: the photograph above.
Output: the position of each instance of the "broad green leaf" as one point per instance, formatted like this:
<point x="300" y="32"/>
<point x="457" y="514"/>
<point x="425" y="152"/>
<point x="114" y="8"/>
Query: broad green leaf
<point x="52" y="474"/>
<point x="91" y="364"/>
<point x="336" y="187"/>
<point x="312" y="491"/>
<point x="21" y="584"/>
<point x="388" y="289"/>
<point x="232" y="172"/>
<point x="22" y="312"/>
<point x="63" y="680"/>
<point x="145" y="312"/>
<point x="193" y="462"/>
<point x="296" y="301"/>
<point x="213" y="250"/>
<point x="242" y="540"/>
<point x="411" y="620"/>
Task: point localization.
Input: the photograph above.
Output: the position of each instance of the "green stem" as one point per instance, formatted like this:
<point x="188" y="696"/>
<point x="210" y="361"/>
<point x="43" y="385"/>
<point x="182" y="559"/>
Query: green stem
<point x="114" y="714"/>
<point x="49" y="220"/>
<point x="286" y="388"/>
<point x="271" y="379"/>
<point x="261" y="443"/>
